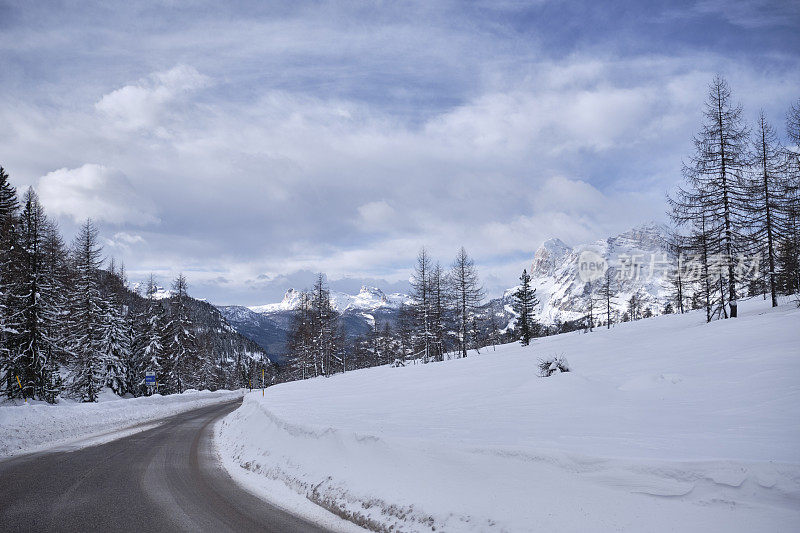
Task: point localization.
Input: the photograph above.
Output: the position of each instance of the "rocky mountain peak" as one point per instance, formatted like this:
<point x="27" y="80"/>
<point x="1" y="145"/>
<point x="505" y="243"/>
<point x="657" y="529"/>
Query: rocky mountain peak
<point x="549" y="256"/>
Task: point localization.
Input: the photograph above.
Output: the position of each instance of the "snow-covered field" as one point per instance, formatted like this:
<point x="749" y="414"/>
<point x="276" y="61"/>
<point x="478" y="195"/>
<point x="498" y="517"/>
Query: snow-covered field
<point x="28" y="427"/>
<point x="666" y="424"/>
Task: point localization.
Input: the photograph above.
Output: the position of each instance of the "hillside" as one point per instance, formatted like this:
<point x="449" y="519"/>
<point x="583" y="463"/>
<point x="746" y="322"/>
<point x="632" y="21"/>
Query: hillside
<point x="663" y="424"/>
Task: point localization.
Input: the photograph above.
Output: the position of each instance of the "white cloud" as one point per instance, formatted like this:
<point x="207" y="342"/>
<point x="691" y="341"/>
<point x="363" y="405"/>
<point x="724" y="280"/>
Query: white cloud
<point x="128" y="238"/>
<point x="341" y="147"/>
<point x="143" y="104"/>
<point x="95" y="191"/>
<point x="378" y="215"/>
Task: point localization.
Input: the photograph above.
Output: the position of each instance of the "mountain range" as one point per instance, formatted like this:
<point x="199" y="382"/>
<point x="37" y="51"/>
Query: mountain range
<point x="562" y="294"/>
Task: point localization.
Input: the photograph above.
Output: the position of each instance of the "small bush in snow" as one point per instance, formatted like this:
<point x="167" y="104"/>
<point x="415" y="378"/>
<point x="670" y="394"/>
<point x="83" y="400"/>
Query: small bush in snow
<point x="553" y="365"/>
<point x="397" y="363"/>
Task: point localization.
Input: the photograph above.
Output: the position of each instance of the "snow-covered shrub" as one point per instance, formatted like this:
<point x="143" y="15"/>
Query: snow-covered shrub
<point x="553" y="365"/>
<point x="397" y="362"/>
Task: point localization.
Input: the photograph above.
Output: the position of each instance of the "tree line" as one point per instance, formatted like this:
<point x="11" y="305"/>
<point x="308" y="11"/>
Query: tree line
<point x="736" y="216"/>
<point x="739" y="200"/>
<point x="440" y="321"/>
<point x="69" y="327"/>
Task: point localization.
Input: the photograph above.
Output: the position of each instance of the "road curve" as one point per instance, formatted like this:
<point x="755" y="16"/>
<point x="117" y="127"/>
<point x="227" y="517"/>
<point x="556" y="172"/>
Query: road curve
<point x="162" y="479"/>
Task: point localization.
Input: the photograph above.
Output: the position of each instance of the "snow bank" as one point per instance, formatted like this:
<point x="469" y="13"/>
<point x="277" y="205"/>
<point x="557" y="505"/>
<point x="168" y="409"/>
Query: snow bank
<point x="664" y="424"/>
<point x="27" y="427"/>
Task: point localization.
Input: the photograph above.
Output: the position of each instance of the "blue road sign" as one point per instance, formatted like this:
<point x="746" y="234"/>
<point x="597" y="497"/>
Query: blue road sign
<point x="150" y="378"/>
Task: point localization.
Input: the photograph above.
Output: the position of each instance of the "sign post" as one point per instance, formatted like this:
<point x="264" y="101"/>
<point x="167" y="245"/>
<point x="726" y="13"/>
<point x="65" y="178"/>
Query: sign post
<point x="22" y="390"/>
<point x="150" y="380"/>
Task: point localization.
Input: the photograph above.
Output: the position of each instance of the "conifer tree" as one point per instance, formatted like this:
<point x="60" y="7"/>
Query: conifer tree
<point x="713" y="189"/>
<point x="589" y="292"/>
<point x="439" y="297"/>
<point x="789" y="246"/>
<point x="33" y="343"/>
<point x="86" y="316"/>
<point x="179" y="343"/>
<point x="324" y="326"/>
<point x="607" y="293"/>
<point x="114" y="346"/>
<point x="467" y="295"/>
<point x="525" y="303"/>
<point x="300" y="339"/>
<point x="765" y="188"/>
<point x="9" y="208"/>
<point x="421" y="293"/>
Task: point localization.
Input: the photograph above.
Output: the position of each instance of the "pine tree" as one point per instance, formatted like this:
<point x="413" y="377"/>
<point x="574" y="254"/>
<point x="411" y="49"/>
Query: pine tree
<point x="114" y="346"/>
<point x="525" y="303"/>
<point x="635" y="306"/>
<point x="33" y="343"/>
<point x="9" y="266"/>
<point x="180" y="350"/>
<point x="86" y="316"/>
<point x="148" y="346"/>
<point x="467" y="295"/>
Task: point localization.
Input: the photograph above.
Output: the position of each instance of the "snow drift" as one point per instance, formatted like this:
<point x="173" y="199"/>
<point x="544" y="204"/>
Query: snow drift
<point x="661" y="425"/>
<point x="26" y="428"/>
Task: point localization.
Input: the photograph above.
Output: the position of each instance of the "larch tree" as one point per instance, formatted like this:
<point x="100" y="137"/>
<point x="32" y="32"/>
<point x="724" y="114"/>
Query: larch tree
<point x="34" y="343"/>
<point x="300" y="341"/>
<point x="713" y="184"/>
<point x="324" y="323"/>
<point x="765" y="187"/>
<point x="607" y="293"/>
<point x="439" y="297"/>
<point x="86" y="316"/>
<point x="467" y="295"/>
<point x="421" y="294"/>
<point x="789" y="245"/>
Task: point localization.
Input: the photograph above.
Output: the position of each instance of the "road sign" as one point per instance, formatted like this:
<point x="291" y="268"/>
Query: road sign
<point x="150" y="378"/>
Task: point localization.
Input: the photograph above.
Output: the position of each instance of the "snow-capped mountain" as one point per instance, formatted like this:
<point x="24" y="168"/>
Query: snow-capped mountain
<point x="367" y="300"/>
<point x="160" y="293"/>
<point x="563" y="295"/>
<point x="268" y="325"/>
<point x="638" y="256"/>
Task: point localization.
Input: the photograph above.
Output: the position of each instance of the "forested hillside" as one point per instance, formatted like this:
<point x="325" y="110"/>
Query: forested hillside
<point x="70" y="326"/>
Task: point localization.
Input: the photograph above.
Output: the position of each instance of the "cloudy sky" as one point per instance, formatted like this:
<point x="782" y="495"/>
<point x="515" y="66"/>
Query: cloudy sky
<point x="252" y="145"/>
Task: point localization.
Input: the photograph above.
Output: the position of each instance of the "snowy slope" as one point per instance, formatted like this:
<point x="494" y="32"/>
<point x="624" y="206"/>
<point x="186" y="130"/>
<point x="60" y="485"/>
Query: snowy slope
<point x="28" y="427"/>
<point x="666" y="424"/>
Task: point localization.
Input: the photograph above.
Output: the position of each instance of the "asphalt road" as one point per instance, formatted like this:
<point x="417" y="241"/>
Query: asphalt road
<point x="161" y="479"/>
